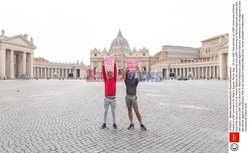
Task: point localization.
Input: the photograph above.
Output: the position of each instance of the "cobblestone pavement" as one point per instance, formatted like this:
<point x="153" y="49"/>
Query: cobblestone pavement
<point x="65" y="116"/>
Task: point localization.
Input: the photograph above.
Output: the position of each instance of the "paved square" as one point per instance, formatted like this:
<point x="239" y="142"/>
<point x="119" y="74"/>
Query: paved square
<point x="65" y="116"/>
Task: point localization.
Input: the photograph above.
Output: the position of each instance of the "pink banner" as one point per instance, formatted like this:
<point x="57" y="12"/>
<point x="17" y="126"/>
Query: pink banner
<point x="132" y="64"/>
<point x="109" y="62"/>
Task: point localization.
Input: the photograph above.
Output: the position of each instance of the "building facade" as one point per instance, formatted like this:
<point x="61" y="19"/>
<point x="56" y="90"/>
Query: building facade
<point x="210" y="61"/>
<point x="17" y="61"/>
<point x="120" y="47"/>
<point x="44" y="69"/>
<point x="16" y="56"/>
<point x="206" y="62"/>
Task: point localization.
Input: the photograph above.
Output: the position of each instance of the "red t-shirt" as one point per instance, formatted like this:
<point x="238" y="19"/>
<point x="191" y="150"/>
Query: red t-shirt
<point x="110" y="84"/>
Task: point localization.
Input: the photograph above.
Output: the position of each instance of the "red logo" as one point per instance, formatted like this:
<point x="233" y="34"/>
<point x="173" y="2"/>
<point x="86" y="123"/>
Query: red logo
<point x="234" y="137"/>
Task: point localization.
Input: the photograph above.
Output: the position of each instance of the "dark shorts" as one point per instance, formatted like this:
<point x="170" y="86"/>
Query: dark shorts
<point x="131" y="100"/>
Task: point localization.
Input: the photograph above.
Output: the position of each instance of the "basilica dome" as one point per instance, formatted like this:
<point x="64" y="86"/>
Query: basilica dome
<point x="119" y="43"/>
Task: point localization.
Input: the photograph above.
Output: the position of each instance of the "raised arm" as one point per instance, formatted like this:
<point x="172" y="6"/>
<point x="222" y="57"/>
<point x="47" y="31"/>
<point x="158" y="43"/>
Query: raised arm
<point x="124" y="71"/>
<point x="124" y="74"/>
<point x="103" y="71"/>
<point x="115" y="69"/>
<point x="138" y="74"/>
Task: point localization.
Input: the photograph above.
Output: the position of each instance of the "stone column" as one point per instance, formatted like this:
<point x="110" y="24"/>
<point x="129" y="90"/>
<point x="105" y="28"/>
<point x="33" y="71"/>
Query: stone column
<point x="214" y="72"/>
<point x="193" y="72"/>
<point x="29" y="67"/>
<point x="81" y="73"/>
<point x="75" y="72"/>
<point x="67" y="73"/>
<point x="58" y="72"/>
<point x="52" y="73"/>
<point x="62" y="73"/>
<point x="41" y="72"/>
<point x="23" y="63"/>
<point x="49" y="72"/>
<point x="223" y="66"/>
<point x="167" y="73"/>
<point x="11" y="60"/>
<point x="218" y="72"/>
<point x="202" y="72"/>
<point x="196" y="72"/>
<point x="42" y="75"/>
<point x="46" y="73"/>
<point x="38" y="72"/>
<point x="211" y="72"/>
<point x="34" y="71"/>
<point x="2" y="63"/>
<point x="206" y="72"/>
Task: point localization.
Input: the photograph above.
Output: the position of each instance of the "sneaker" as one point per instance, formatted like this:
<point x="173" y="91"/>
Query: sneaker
<point x="103" y="126"/>
<point x="143" y="127"/>
<point x="115" y="126"/>
<point x="131" y="126"/>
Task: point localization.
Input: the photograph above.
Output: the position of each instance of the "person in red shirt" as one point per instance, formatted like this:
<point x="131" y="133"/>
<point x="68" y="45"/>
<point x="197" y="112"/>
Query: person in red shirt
<point x="110" y="92"/>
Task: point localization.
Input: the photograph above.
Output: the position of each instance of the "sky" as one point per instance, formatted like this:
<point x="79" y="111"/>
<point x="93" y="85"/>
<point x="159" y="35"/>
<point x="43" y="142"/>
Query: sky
<point x="66" y="30"/>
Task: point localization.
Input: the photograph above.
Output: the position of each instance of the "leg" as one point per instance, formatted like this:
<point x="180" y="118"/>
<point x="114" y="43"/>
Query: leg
<point x="136" y="109"/>
<point x="138" y="115"/>
<point x="130" y="115"/>
<point x="113" y="107"/>
<point x="106" y="107"/>
<point x="129" y="106"/>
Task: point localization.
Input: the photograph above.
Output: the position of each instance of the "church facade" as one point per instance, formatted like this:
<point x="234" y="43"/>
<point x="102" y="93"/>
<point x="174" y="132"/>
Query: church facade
<point x="210" y="61"/>
<point x="120" y="47"/>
